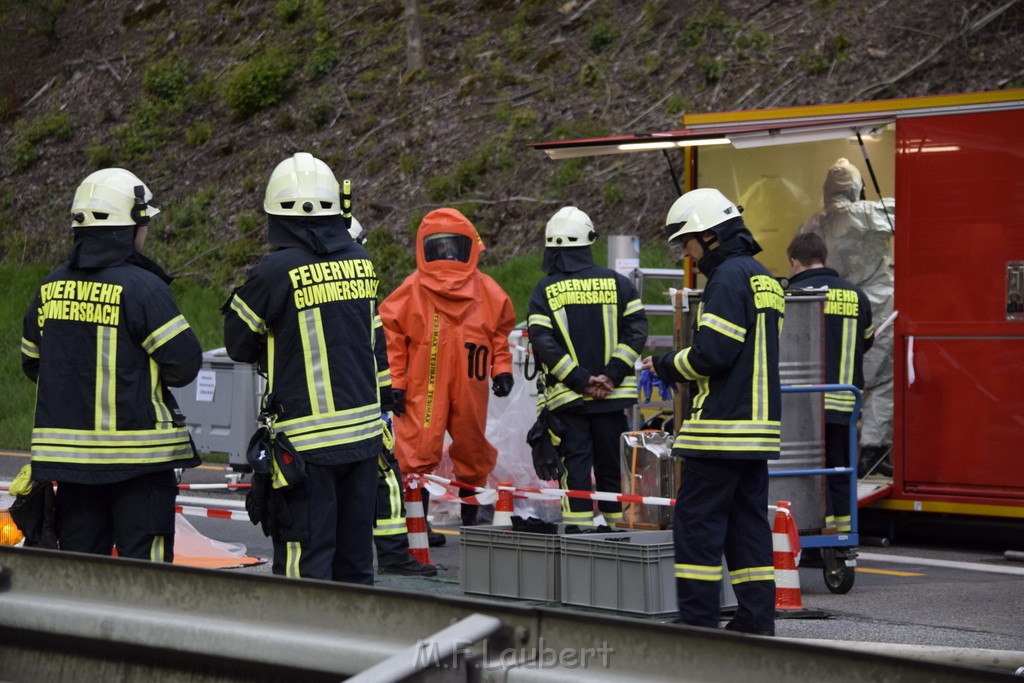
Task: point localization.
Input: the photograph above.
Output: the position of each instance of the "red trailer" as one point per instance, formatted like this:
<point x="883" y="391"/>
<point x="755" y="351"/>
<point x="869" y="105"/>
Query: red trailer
<point x="955" y="166"/>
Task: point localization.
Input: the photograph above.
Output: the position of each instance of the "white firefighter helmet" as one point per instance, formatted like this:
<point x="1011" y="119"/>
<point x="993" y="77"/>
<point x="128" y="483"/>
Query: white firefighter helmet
<point x="302" y="185"/>
<point x="697" y="211"/>
<point x="355" y="229"/>
<point x="112" y="197"/>
<point x="569" y="227"/>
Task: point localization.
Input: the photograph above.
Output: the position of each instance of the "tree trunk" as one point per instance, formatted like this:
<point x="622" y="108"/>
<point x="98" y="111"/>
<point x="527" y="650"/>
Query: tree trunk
<point x="414" y="38"/>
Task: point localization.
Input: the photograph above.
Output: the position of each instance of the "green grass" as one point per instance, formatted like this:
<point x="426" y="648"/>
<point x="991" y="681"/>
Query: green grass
<point x="17" y="400"/>
<point x="200" y="304"/>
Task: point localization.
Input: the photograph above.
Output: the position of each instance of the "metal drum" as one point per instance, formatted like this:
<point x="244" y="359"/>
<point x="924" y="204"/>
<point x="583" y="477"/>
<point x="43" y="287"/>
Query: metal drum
<point x="802" y="361"/>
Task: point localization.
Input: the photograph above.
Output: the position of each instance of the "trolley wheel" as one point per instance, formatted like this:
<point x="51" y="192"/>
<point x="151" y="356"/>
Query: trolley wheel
<point x="838" y="577"/>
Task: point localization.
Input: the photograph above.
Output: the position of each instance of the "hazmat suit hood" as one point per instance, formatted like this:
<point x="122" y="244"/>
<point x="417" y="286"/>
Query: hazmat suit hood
<point x="734" y="240"/>
<point x="316" y="234"/>
<point x="567" y="259"/>
<point x="449" y="279"/>
<point x="844" y="185"/>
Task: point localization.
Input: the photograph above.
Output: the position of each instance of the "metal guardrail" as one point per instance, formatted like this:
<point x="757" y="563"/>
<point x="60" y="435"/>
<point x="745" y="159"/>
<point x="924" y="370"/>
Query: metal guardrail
<point x="69" y="616"/>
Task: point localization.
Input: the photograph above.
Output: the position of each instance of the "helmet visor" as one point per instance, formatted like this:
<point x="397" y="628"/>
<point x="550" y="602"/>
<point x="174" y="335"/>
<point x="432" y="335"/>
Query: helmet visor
<point x="446" y="247"/>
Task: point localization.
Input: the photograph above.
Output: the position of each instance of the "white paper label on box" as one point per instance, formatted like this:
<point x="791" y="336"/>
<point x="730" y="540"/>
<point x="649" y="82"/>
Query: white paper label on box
<point x="206" y="385"/>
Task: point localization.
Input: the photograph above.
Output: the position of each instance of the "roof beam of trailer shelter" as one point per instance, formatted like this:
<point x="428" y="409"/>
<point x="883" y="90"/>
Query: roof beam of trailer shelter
<point x="762" y="127"/>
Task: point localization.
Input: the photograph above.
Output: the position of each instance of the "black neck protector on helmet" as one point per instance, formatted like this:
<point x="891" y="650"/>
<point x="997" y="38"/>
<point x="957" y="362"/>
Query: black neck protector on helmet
<point x="566" y="259"/>
<point x="735" y="239"/>
<point x="102" y="247"/>
<point x="317" y="234"/>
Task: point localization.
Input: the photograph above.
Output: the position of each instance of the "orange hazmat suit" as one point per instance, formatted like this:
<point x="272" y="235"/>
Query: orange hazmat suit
<point x="447" y="328"/>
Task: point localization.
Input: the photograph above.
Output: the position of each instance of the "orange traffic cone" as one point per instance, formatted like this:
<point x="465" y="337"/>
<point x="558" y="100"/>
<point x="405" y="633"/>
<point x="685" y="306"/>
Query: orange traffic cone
<point x="416" y="522"/>
<point x="504" y="509"/>
<point x="786" y="548"/>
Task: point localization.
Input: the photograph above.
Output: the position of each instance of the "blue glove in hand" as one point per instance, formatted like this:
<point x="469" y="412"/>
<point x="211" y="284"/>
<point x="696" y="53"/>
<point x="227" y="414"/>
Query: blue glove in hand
<point x="648" y="381"/>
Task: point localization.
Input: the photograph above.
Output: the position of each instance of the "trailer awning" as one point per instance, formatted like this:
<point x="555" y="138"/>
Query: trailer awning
<point x="739" y="136"/>
<point x="759" y="128"/>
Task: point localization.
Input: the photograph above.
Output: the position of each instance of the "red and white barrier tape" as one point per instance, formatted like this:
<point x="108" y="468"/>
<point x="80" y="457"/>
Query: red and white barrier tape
<point x="534" y="493"/>
<point x="216" y="513"/>
<point x="199" y="487"/>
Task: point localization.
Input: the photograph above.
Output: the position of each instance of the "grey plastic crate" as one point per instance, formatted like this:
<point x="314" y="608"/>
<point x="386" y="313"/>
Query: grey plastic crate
<point x="632" y="573"/>
<point x="516" y="564"/>
<point x="225" y="423"/>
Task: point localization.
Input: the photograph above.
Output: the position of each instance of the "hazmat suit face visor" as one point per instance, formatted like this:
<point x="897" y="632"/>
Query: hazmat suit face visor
<point x="446" y="246"/>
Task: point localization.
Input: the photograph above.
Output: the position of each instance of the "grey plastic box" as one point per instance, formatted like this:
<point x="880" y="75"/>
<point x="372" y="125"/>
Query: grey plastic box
<point x="221" y="406"/>
<point x="632" y="572"/>
<point x="496" y="560"/>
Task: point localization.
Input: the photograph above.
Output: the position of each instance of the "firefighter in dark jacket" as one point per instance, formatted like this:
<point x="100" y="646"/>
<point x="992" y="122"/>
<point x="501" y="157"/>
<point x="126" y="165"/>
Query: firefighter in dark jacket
<point x="390" y="531"/>
<point x="103" y="339"/>
<point x="587" y="329"/>
<point x="848" y="334"/>
<point x="733" y="425"/>
<point x="308" y="314"/>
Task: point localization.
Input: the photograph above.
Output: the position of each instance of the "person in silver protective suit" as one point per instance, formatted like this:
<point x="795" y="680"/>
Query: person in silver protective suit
<point x="859" y="234"/>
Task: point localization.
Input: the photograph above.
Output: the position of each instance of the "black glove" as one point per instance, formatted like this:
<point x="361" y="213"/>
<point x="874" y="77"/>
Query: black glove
<point x="398" y="401"/>
<point x="502" y="385"/>
<point x="546" y="462"/>
<point x="257" y="503"/>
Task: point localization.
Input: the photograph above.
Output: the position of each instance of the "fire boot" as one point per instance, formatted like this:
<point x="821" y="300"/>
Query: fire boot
<point x="434" y="539"/>
<point x="468" y="511"/>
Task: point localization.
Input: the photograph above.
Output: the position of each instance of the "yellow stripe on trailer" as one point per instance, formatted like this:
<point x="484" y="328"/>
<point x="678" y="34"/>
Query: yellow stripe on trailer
<point x="895" y="106"/>
<point x="952" y="508"/>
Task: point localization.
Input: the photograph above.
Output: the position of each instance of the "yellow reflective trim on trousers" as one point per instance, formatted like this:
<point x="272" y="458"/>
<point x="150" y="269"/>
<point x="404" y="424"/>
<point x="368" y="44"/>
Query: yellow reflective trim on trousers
<point x="394" y="496"/>
<point x="723" y="327"/>
<point x="759" y="391"/>
<point x="157" y="549"/>
<point x="255" y="323"/>
<point x="577" y="518"/>
<point x="293" y="553"/>
<point x="748" y="574"/>
<point x="390" y="528"/>
<point x="29" y="349"/>
<point x="106" y="378"/>
<point x="539" y="320"/>
<point x="435" y="345"/>
<point x="162" y="334"/>
<point x="842" y="523"/>
<point x="699" y="572"/>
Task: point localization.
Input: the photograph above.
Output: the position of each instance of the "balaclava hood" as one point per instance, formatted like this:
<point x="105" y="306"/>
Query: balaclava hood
<point x="102" y="247"/>
<point x="316" y="234"/>
<point x="734" y="239"/>
<point x="567" y="259"/>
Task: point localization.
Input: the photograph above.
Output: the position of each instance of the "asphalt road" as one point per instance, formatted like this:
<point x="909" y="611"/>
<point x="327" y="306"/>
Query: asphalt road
<point x="934" y="592"/>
